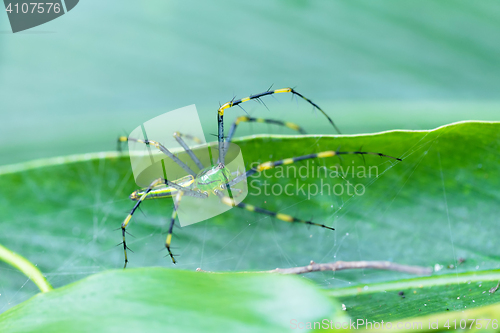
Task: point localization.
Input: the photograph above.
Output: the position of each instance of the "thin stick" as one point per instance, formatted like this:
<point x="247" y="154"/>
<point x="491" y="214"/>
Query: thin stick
<point x="341" y="265"/>
<point x="26" y="267"/>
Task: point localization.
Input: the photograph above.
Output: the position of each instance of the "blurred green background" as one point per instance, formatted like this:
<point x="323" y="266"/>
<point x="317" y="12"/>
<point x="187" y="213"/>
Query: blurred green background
<point x="76" y="83"/>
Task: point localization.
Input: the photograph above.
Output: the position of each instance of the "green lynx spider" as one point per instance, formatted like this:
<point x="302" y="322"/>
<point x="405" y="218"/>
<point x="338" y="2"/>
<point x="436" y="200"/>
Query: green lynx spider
<point x="213" y="179"/>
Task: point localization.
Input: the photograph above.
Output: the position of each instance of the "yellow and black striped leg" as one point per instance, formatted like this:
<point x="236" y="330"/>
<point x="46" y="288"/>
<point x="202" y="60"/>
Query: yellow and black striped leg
<point x="286" y="161"/>
<point x="126" y="222"/>
<point x="190" y="137"/>
<point x="168" y="241"/>
<point x="154" y="191"/>
<point x="241" y="119"/>
<point x="165" y="151"/>
<point x="220" y="113"/>
<point x="178" y="136"/>
<point x="283" y="217"/>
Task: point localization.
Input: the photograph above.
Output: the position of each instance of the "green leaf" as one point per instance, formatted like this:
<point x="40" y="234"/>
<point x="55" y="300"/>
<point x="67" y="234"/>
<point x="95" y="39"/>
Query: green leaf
<point x="437" y="205"/>
<point x="162" y="300"/>
<point x="397" y="300"/>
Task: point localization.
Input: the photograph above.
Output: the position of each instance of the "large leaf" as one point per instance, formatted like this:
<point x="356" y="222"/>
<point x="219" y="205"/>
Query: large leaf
<point x="437" y="205"/>
<point x="156" y="299"/>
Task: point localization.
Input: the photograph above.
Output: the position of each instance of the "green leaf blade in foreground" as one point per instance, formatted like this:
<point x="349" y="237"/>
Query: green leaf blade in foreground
<point x="163" y="300"/>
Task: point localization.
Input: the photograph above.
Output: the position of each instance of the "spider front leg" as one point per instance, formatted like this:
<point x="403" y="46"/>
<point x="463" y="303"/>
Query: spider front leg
<point x="220" y="113"/>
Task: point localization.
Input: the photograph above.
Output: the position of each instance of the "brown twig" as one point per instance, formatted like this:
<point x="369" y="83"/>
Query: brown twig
<point x="341" y="265"/>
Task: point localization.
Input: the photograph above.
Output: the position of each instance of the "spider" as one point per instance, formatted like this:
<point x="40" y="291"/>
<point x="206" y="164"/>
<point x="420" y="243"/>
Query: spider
<point x="213" y="180"/>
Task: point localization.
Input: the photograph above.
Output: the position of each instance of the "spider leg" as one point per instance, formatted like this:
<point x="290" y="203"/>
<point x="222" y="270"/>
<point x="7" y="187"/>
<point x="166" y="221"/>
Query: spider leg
<point x="190" y="137"/>
<point x="166" y="152"/>
<point x="220" y="113"/>
<point x="195" y="159"/>
<point x="129" y="216"/>
<point x="177" y="201"/>
<point x="238" y="120"/>
<point x="272" y="164"/>
<point x="153" y="192"/>
<point x="283" y="217"/>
